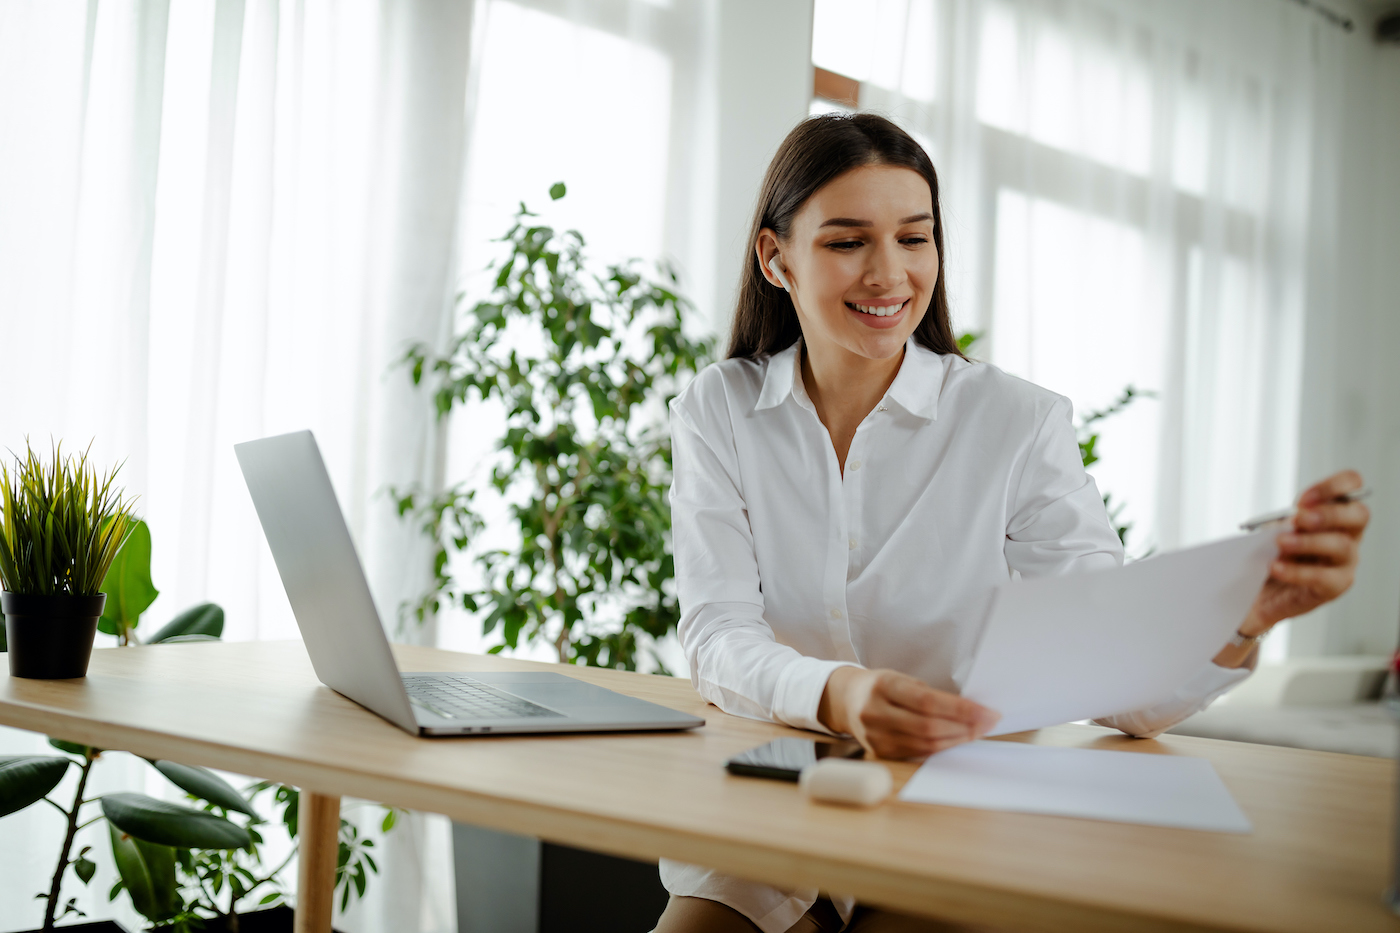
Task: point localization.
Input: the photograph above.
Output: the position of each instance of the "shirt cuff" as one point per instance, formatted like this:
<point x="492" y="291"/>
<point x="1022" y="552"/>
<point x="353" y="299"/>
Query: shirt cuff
<point x="798" y="694"/>
<point x="1207" y="684"/>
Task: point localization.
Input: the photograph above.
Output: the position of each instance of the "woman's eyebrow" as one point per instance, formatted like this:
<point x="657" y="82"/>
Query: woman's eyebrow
<point x="852" y="222"/>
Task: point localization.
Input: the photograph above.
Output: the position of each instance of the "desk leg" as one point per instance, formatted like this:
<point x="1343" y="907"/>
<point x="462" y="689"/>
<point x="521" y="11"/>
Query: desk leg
<point x="318" y="828"/>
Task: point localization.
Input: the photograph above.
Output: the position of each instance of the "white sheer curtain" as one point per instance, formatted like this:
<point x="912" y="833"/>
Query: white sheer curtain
<point x="220" y="220"/>
<point x="1130" y="191"/>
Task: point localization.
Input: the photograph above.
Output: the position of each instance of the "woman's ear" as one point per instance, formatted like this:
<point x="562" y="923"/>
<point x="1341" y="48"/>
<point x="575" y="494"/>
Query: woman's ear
<point x="770" y="260"/>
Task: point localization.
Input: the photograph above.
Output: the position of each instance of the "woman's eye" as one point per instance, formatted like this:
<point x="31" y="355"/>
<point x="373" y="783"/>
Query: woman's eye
<point x="844" y="244"/>
<point x="914" y="240"/>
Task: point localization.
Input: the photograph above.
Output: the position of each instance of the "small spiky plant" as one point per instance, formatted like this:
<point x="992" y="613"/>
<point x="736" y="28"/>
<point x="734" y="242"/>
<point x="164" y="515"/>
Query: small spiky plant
<point x="62" y="525"/>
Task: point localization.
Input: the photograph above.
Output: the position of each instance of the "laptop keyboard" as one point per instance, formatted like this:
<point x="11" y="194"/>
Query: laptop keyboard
<point x="464" y="699"/>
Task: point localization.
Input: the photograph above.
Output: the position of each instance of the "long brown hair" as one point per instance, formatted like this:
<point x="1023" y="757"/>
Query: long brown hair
<point x="814" y="153"/>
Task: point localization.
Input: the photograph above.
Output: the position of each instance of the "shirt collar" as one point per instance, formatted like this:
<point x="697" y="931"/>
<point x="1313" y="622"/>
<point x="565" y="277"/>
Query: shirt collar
<point x="915" y="388"/>
<point x="778" y="381"/>
<point x="919" y="382"/>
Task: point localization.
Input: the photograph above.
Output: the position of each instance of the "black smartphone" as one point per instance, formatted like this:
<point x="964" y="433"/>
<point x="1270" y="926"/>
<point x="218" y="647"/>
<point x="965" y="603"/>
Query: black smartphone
<point x="784" y="759"/>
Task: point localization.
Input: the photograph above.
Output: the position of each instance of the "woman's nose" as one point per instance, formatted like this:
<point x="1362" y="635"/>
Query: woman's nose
<point x="886" y="269"/>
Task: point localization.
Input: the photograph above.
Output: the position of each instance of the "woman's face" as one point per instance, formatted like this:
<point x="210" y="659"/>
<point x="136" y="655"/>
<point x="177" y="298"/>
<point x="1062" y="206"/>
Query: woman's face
<point x="861" y="260"/>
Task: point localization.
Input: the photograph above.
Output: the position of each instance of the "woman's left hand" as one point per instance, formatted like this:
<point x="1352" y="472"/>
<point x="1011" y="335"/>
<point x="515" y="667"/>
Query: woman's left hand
<point x="1317" y="557"/>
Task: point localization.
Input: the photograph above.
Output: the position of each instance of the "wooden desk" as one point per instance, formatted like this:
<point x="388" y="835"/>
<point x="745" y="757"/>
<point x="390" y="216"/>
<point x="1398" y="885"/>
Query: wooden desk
<point x="1317" y="860"/>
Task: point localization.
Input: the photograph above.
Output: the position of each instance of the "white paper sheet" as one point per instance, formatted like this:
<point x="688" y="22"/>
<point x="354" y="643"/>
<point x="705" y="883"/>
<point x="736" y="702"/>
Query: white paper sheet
<point x="1126" y="787"/>
<point x="1061" y="649"/>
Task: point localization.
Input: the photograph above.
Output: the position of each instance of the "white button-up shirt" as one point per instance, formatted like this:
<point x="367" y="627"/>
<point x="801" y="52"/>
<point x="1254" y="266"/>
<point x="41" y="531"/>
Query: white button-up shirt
<point x="961" y="478"/>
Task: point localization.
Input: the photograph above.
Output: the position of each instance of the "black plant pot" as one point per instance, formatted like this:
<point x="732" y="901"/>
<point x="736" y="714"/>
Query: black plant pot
<point x="50" y="637"/>
<point x="98" y="926"/>
<point x="269" y="920"/>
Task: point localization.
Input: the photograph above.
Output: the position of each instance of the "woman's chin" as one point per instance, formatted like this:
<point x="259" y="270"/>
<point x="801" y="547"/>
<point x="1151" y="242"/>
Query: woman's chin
<point x="879" y="345"/>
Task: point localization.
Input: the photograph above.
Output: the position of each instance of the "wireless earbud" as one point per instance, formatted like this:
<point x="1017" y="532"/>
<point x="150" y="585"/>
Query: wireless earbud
<point x="776" y="265"/>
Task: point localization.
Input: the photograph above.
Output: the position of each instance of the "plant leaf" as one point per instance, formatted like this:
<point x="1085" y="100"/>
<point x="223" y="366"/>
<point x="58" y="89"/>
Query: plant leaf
<point x="26" y="779"/>
<point x="85" y="868"/>
<point x="170" y="824"/>
<point x="72" y="748"/>
<point x="204" y="784"/>
<point x="204" y="619"/>
<point x="147" y="871"/>
<point x="128" y="585"/>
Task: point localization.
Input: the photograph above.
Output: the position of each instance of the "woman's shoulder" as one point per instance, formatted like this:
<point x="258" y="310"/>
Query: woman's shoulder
<point x="722" y="385"/>
<point x="991" y="390"/>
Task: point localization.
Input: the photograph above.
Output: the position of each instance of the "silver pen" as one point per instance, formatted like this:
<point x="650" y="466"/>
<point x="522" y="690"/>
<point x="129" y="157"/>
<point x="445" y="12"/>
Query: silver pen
<point x="1262" y="520"/>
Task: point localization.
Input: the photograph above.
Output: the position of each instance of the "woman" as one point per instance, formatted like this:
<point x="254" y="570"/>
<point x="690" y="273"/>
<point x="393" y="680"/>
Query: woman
<point x="849" y="488"/>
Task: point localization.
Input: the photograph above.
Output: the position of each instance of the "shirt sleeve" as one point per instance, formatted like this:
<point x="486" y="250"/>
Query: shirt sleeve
<point x="1209" y="684"/>
<point x="1059" y="525"/>
<point x="735" y="661"/>
<point x="1057" y="521"/>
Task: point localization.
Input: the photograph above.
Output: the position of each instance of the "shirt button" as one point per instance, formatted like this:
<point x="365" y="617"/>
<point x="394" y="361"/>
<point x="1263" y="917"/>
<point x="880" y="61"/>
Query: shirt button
<point x="855" y="465"/>
<point x="836" y="613"/>
<point x="852" y="544"/>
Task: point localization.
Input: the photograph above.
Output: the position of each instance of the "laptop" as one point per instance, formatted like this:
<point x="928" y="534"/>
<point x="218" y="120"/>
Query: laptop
<point x="331" y="600"/>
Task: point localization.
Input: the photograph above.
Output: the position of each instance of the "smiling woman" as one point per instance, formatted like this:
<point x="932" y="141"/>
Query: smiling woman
<point x="849" y="490"/>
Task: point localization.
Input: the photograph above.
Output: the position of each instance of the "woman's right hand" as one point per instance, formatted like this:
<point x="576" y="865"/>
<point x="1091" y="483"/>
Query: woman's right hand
<point x="897" y="716"/>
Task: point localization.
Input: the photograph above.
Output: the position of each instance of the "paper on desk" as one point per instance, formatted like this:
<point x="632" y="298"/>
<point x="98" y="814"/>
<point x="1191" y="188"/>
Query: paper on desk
<point x="1127" y="787"/>
<point x="1060" y="649"/>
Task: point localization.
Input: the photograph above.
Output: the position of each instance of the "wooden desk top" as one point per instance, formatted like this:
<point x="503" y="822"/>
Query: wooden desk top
<point x="1317" y="860"/>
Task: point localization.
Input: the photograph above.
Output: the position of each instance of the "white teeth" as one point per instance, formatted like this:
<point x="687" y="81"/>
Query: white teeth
<point x="884" y="311"/>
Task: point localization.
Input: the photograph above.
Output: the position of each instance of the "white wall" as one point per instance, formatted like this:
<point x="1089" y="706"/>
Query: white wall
<point x="1351" y="391"/>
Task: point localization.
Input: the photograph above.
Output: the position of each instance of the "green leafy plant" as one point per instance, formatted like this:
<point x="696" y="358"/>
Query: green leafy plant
<point x="63" y="525"/>
<point x="583" y="363"/>
<point x="130" y="593"/>
<point x="182" y="868"/>
<point x="1088" y="450"/>
<point x="144" y="830"/>
<point x="353" y="860"/>
<point x="128" y="586"/>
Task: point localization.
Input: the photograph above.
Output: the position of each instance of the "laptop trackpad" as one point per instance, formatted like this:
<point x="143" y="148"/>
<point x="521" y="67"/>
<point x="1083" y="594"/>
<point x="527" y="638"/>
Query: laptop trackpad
<point x="566" y="696"/>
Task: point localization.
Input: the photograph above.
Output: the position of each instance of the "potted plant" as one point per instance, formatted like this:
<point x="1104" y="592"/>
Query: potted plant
<point x="62" y="526"/>
<point x="583" y="462"/>
<point x="181" y="868"/>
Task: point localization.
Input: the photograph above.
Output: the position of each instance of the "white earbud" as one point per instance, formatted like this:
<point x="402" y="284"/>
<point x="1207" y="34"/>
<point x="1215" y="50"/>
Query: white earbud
<point x="776" y="265"/>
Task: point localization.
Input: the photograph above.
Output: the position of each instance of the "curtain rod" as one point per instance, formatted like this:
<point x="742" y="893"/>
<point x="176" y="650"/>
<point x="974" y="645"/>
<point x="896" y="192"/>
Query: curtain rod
<point x="1332" y="16"/>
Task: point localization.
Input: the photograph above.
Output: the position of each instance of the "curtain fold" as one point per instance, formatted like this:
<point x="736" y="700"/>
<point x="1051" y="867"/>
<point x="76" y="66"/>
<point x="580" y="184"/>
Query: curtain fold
<point x="221" y="221"/>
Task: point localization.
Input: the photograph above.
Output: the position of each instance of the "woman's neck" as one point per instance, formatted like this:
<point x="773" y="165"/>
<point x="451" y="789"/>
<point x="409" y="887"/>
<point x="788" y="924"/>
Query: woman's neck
<point x="844" y="388"/>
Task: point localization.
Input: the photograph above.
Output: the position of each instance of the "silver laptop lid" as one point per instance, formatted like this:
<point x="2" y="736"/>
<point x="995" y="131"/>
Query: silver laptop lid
<point x="322" y="574"/>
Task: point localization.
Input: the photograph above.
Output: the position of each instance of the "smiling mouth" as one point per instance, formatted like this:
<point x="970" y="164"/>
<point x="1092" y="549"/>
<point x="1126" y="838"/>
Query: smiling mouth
<point x="878" y="310"/>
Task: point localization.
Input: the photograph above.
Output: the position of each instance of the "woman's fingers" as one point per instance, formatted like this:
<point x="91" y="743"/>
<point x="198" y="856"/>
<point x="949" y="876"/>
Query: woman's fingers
<point x="1327" y="582"/>
<point x="896" y="748"/>
<point x="903" y="718"/>
<point x="897" y="716"/>
<point x="882" y="716"/>
<point x="1329" y="547"/>
<point x="1350" y="517"/>
<point x="1338" y="484"/>
<point x="916" y="696"/>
